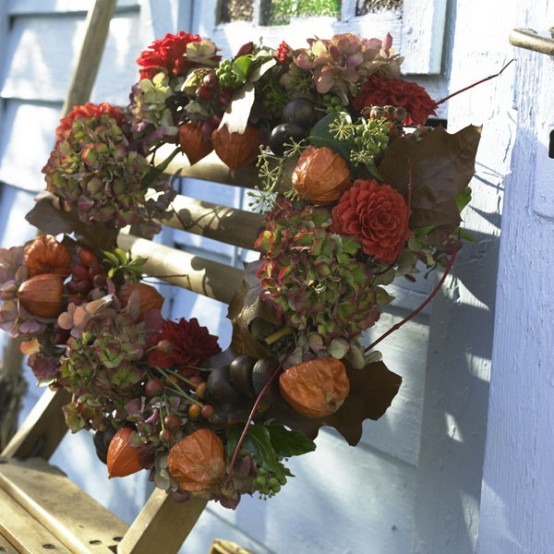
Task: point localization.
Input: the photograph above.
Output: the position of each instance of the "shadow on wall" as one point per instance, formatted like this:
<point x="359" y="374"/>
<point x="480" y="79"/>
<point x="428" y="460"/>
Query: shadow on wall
<point x="457" y="391"/>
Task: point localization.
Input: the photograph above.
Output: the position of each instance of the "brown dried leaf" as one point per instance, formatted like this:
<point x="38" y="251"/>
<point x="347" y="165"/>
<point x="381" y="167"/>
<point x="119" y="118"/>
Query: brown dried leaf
<point x="248" y="312"/>
<point x="372" y="390"/>
<point x="49" y="219"/>
<point x="442" y="165"/>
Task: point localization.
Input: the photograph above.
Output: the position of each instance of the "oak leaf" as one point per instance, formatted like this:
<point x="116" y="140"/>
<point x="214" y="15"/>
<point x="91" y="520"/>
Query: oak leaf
<point x="441" y="166"/>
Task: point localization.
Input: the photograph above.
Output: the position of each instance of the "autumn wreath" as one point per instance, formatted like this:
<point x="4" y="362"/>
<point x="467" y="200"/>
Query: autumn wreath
<point x="357" y="192"/>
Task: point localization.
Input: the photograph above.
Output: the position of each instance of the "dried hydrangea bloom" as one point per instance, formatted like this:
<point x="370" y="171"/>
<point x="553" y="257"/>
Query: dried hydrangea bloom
<point x="94" y="171"/>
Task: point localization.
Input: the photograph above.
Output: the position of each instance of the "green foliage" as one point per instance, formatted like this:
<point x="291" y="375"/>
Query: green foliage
<point x="121" y="261"/>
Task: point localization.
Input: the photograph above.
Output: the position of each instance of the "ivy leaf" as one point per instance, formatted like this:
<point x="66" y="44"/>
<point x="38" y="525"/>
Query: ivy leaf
<point x="441" y="164"/>
<point x="288" y="442"/>
<point x="241" y="66"/>
<point x="258" y="442"/>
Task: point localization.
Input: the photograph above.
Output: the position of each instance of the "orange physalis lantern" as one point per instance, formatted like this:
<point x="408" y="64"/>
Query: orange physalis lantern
<point x="41" y="295"/>
<point x="197" y="462"/>
<point x="316" y="388"/>
<point x="320" y="176"/>
<point x="123" y="458"/>
<point x="46" y="255"/>
<point x="237" y="149"/>
<point x="193" y="144"/>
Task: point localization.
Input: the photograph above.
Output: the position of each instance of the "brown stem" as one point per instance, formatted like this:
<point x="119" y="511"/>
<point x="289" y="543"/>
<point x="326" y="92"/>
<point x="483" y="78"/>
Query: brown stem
<point x="410" y="316"/>
<point x="442" y="100"/>
<point x="252" y="414"/>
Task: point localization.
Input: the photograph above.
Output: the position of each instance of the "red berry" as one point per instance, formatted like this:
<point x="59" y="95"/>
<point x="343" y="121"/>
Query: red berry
<point x="79" y="286"/>
<point x="80" y="271"/>
<point x="87" y="257"/>
<point x="99" y="280"/>
<point x="210" y="80"/>
<point x="223" y="98"/>
<point x="95" y="270"/>
<point x="171" y="421"/>
<point x="165" y="435"/>
<point x="153" y="387"/>
<point x="203" y="93"/>
<point x="207" y="411"/>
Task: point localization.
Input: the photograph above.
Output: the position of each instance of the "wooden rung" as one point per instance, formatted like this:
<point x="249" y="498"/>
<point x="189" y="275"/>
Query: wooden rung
<point x="46" y="495"/>
<point x="161" y="521"/>
<point x="206" y="277"/>
<point x="43" y="429"/>
<point x="222" y="223"/>
<point x="210" y="168"/>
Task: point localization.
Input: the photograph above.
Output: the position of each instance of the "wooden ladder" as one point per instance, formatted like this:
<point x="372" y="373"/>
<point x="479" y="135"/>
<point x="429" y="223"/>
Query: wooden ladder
<point x="40" y="508"/>
<point x="46" y="510"/>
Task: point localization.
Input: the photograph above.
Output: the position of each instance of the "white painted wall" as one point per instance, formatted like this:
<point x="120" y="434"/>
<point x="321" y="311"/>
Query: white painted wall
<point x="414" y="483"/>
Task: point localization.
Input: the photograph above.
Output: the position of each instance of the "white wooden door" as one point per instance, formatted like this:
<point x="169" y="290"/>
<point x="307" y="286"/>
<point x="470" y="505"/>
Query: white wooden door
<point x="518" y="489"/>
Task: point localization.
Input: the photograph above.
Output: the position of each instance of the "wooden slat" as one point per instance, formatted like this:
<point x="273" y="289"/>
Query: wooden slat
<point x="222" y="223"/>
<point x="5" y="546"/>
<point x="211" y="168"/>
<point x="197" y="274"/>
<point x="42" y="430"/>
<point x="21" y="534"/>
<point x="84" y="75"/>
<point x="48" y="496"/>
<point x="162" y="521"/>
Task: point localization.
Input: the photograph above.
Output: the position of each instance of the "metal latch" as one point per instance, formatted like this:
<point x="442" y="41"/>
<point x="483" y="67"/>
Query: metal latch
<point x="532" y="40"/>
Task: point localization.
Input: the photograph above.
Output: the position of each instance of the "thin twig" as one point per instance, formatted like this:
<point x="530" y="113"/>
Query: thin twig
<point x="421" y="306"/>
<point x="439" y="102"/>
<point x="253" y="413"/>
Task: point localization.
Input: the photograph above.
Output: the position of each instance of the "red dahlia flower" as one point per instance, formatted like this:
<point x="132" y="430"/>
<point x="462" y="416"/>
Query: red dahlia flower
<point x="170" y="55"/>
<point x="182" y="343"/>
<point x="88" y="110"/>
<point x="377" y="215"/>
<point x="380" y="91"/>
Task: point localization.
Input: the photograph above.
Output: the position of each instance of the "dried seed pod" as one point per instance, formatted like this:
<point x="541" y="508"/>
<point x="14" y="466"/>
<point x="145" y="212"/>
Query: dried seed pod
<point x="123" y="458"/>
<point x="149" y="297"/>
<point x="41" y="295"/>
<point x="320" y="176"/>
<point x="193" y="143"/>
<point x="237" y="149"/>
<point x="46" y="255"/>
<point x="316" y="388"/>
<point x="197" y="462"/>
